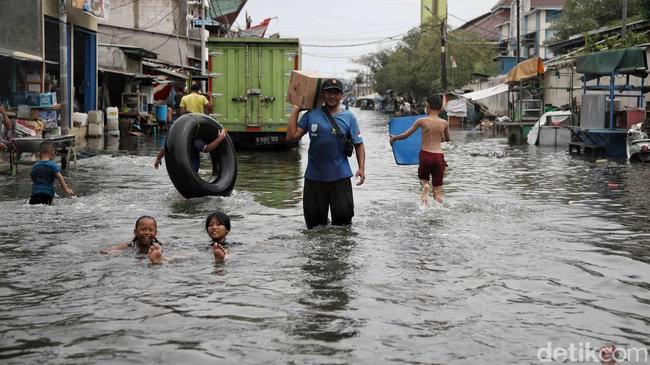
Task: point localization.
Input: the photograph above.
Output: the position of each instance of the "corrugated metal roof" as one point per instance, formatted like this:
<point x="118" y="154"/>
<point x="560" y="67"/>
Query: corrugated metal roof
<point x="485" y="25"/>
<point x="130" y="74"/>
<point x="226" y="11"/>
<point x="502" y="4"/>
<point x="546" y="4"/>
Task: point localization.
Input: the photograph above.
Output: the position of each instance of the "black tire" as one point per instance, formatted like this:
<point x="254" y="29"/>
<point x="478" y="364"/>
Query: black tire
<point x="179" y="144"/>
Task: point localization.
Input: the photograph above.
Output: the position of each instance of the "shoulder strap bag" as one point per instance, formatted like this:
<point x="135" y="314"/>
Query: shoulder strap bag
<point x="348" y="147"/>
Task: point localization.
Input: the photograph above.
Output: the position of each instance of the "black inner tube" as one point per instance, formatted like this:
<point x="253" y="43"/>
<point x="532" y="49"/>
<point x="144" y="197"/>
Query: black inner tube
<point x="180" y="146"/>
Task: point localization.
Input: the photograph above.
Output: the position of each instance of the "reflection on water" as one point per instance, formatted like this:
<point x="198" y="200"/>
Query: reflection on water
<point x="531" y="246"/>
<point x="274" y="177"/>
<point x="327" y="296"/>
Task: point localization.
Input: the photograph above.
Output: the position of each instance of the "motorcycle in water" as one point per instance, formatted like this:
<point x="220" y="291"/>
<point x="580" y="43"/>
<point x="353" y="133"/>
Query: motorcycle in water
<point x="638" y="143"/>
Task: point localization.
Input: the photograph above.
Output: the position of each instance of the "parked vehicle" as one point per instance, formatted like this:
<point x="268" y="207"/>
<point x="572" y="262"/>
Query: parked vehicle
<point x="248" y="81"/>
<point x="638" y="143"/>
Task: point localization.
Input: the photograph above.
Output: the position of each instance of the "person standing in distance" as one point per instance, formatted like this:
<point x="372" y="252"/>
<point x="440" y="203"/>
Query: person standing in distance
<point x="195" y="102"/>
<point x="327" y="177"/>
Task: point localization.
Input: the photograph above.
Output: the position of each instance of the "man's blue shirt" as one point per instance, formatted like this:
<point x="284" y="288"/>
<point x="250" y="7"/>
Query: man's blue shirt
<point x="326" y="160"/>
<point x="195" y="154"/>
<point x="43" y="176"/>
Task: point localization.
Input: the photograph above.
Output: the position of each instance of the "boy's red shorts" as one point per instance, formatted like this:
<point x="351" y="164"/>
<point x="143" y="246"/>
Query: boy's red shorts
<point x="432" y="165"/>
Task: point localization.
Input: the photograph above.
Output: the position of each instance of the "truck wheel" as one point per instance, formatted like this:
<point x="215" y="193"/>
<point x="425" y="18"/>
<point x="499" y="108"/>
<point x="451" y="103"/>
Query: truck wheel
<point x="179" y="145"/>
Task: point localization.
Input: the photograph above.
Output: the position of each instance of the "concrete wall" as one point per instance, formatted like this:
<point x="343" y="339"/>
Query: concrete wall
<point x="553" y="81"/>
<point x="168" y="47"/>
<point x="159" y="26"/>
<point x="560" y="97"/>
<point x="158" y="16"/>
<point x="75" y="16"/>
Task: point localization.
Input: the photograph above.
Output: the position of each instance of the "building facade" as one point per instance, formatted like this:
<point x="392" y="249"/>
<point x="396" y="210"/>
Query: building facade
<point x="160" y="26"/>
<point x="30" y="55"/>
<point x="500" y="26"/>
<point x="535" y="20"/>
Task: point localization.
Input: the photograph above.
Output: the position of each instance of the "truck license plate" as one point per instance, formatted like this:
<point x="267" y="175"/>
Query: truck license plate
<point x="267" y="140"/>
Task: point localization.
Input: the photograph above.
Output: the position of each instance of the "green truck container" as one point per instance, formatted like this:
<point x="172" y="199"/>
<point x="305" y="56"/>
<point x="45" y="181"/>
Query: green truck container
<point x="248" y="81"/>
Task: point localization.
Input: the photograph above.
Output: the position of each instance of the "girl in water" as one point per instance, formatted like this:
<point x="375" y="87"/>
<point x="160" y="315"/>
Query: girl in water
<point x="144" y="240"/>
<point x="217" y="225"/>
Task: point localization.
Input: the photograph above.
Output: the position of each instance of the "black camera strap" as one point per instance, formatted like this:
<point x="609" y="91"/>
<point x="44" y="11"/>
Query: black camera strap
<point x="335" y="126"/>
<point x="348" y="146"/>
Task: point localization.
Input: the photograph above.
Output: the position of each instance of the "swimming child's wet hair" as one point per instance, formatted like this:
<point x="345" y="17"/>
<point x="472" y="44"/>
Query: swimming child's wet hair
<point x="435" y="102"/>
<point x="46" y="146"/>
<point x="146" y="217"/>
<point x="221" y="217"/>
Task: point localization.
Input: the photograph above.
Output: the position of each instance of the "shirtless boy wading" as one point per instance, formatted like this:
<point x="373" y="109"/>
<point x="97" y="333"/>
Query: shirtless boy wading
<point x="435" y="130"/>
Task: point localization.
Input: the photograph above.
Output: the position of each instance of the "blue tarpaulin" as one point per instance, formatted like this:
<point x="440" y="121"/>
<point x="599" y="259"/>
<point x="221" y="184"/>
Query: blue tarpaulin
<point x="406" y="151"/>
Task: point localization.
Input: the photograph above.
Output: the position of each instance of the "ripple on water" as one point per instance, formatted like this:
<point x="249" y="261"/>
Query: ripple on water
<point x="530" y="246"/>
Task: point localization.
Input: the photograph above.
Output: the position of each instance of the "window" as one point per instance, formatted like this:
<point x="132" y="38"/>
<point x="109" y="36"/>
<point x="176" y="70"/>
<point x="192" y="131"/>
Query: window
<point x="552" y="15"/>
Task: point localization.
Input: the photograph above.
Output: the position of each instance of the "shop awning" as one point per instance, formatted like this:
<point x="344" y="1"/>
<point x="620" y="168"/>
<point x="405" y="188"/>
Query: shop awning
<point x="18" y="55"/>
<point x="171" y="73"/>
<point x="526" y="70"/>
<point x="157" y="67"/>
<point x="130" y="74"/>
<point x="373" y="96"/>
<point x="618" y="61"/>
<point x="456" y="108"/>
<point x="485" y="93"/>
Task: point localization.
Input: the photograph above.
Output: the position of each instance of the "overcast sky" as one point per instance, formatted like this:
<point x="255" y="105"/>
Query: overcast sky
<point x="348" y="22"/>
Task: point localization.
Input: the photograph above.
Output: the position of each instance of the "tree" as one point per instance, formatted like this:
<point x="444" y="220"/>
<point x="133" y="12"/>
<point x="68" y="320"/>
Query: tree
<point x="579" y="16"/>
<point x="412" y="68"/>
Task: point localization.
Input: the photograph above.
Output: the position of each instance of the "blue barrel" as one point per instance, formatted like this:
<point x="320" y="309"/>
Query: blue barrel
<point x="161" y="113"/>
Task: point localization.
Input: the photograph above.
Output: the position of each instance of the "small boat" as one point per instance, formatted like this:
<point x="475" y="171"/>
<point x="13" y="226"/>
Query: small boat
<point x="638" y="143"/>
<point x="551" y="129"/>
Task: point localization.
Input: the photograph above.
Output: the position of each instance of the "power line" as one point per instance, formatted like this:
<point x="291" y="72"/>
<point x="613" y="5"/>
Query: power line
<point x="125" y="4"/>
<point x="335" y="55"/>
<point x="146" y="26"/>
<point x="387" y="39"/>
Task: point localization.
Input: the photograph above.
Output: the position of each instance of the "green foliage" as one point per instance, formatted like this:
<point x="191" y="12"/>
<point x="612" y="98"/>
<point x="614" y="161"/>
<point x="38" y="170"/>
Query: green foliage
<point x="413" y="67"/>
<point x="615" y="41"/>
<point x="579" y="16"/>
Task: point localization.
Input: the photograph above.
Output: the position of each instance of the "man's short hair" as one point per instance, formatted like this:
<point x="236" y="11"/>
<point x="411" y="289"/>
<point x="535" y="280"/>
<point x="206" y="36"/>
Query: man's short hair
<point x="46" y="146"/>
<point x="196" y="87"/>
<point x="435" y="102"/>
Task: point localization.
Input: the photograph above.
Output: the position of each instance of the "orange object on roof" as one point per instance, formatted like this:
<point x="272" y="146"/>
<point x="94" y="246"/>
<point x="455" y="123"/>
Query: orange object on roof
<point x="526" y="70"/>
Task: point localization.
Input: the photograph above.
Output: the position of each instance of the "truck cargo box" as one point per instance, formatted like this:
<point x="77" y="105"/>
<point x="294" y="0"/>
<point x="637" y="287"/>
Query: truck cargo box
<point x="248" y="82"/>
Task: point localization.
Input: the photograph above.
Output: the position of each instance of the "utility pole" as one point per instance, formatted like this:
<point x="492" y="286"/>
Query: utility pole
<point x="443" y="45"/>
<point x="624" y="19"/>
<point x="203" y="4"/>
<point x="63" y="67"/>
<point x="443" y="53"/>
<point x="518" y="39"/>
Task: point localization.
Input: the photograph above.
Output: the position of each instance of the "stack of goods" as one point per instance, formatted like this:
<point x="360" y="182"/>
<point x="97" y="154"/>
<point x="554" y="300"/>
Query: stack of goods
<point x="95" y="123"/>
<point x="304" y="89"/>
<point x="28" y="128"/>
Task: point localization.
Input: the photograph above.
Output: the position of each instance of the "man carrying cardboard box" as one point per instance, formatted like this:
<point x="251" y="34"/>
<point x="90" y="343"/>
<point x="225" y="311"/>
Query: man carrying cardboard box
<point x="327" y="178"/>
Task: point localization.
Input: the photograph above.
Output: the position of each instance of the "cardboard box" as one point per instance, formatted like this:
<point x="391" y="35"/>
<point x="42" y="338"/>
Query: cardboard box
<point x="304" y="89"/>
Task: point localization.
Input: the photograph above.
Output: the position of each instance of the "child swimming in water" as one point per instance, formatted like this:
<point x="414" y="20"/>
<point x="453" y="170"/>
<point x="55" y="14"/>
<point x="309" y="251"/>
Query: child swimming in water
<point x="217" y="225"/>
<point x="144" y="240"/>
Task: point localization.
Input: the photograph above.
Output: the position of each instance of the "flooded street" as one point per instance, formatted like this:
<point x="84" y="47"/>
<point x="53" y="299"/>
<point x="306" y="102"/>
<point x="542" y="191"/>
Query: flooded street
<point x="531" y="247"/>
